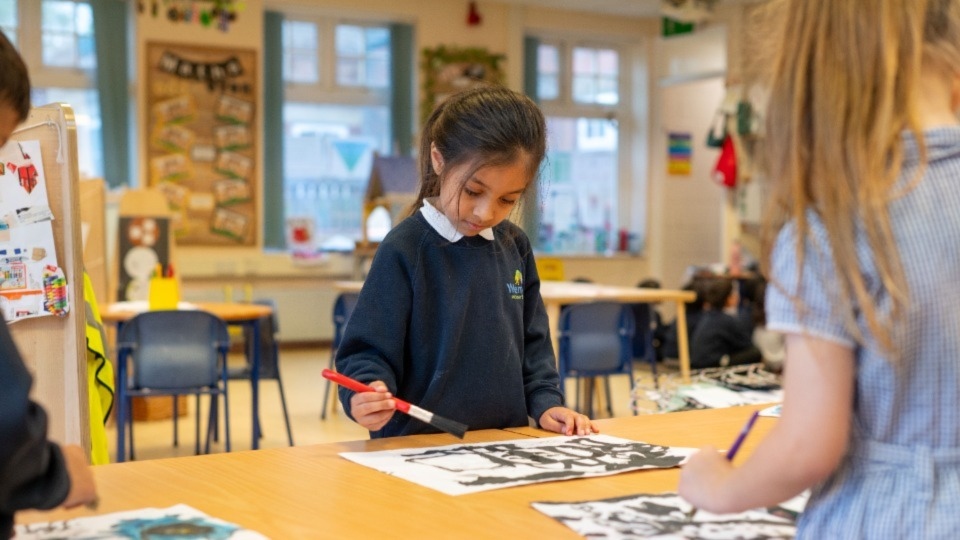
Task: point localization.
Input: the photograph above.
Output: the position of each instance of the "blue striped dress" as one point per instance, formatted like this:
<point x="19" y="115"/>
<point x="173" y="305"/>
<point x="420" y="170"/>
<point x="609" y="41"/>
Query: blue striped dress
<point x="900" y="477"/>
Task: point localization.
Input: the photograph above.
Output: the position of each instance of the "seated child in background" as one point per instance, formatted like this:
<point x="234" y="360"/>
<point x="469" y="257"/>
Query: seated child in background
<point x="720" y="339"/>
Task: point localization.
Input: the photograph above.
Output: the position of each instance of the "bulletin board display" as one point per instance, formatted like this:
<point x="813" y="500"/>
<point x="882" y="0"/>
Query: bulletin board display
<point x="203" y="141"/>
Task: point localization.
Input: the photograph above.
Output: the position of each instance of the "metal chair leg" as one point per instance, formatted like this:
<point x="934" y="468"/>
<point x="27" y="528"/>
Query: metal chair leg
<point x="176" y="416"/>
<point x="326" y="391"/>
<point x="286" y="416"/>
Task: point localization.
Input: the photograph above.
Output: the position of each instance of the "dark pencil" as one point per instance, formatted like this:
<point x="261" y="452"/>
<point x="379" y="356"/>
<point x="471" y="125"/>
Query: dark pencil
<point x="732" y="452"/>
<point x="454" y="428"/>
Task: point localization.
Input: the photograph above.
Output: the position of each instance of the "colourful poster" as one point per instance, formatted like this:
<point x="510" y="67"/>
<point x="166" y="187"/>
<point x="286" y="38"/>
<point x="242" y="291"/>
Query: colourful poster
<point x="679" y="153"/>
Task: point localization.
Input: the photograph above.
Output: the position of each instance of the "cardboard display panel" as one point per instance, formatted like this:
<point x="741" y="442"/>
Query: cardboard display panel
<point x="54" y="347"/>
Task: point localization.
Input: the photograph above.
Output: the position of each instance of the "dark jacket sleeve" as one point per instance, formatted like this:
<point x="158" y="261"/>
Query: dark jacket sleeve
<point x="32" y="469"/>
<point x="541" y="381"/>
<point x="374" y="341"/>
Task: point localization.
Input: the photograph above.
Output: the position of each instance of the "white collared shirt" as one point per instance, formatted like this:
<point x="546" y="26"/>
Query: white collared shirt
<point x="442" y="225"/>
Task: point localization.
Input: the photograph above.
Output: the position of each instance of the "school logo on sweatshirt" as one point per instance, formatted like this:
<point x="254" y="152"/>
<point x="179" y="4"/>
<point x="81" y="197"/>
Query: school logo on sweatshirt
<point x="515" y="289"/>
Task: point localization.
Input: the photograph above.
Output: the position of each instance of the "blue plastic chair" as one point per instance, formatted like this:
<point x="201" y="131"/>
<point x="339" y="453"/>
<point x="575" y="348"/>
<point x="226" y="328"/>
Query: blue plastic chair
<point x="174" y="353"/>
<point x="596" y="340"/>
<point x="342" y="310"/>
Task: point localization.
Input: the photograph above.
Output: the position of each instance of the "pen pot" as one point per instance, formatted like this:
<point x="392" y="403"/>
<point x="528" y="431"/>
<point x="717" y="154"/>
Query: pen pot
<point x="164" y="293"/>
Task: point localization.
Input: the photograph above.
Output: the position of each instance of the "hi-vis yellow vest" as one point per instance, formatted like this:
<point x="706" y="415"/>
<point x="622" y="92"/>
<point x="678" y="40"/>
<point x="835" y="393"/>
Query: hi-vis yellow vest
<point x="99" y="376"/>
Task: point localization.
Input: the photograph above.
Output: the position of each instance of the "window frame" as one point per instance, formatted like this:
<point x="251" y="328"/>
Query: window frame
<point x="30" y="45"/>
<point x="628" y="113"/>
<point x="326" y="90"/>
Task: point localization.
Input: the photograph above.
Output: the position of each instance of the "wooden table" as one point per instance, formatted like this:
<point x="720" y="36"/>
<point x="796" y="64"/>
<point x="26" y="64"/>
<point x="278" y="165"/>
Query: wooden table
<point x="311" y="492"/>
<point x="232" y="313"/>
<point x="557" y="293"/>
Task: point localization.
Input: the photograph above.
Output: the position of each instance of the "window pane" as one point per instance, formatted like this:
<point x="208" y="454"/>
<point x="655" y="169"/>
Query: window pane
<point x="584" y="89"/>
<point x="548" y="72"/>
<point x="58" y="15"/>
<point x="363" y="56"/>
<point x="584" y="61"/>
<point x="350" y="40"/>
<point x="8" y="19"/>
<point x="328" y="151"/>
<point x="86" y="106"/>
<point x="349" y="71"/>
<point x="548" y="86"/>
<point x="378" y="73"/>
<point x="595" y="76"/>
<point x="59" y="49"/>
<point x="608" y="62"/>
<point x="378" y="42"/>
<point x="299" y="34"/>
<point x="580" y="186"/>
<point x="301" y="67"/>
<point x="300" y="52"/>
<point x="68" y="34"/>
<point x="607" y="92"/>
<point x="548" y="59"/>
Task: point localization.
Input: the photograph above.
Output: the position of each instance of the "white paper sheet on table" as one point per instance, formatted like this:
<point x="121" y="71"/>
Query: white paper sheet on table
<point x="469" y="468"/>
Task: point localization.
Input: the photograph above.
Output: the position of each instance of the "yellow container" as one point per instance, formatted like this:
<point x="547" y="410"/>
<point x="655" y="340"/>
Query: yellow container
<point x="164" y="293"/>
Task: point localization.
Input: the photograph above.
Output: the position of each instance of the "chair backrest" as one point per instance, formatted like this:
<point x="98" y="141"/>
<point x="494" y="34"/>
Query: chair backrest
<point x="269" y="348"/>
<point x="342" y="310"/>
<point x="596" y="338"/>
<point x="174" y="349"/>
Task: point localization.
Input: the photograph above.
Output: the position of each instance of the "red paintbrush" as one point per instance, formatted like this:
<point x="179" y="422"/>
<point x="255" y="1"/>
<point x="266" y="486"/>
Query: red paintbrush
<point x="454" y="428"/>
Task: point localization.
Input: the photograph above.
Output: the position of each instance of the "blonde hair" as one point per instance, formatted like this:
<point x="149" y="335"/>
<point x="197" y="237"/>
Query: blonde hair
<point x="844" y="87"/>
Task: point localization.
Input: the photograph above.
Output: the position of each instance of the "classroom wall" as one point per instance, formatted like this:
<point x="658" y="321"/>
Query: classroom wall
<point x="241" y="272"/>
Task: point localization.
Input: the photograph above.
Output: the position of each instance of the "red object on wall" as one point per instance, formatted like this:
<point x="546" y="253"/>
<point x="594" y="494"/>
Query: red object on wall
<point x="725" y="171"/>
<point x="473" y="16"/>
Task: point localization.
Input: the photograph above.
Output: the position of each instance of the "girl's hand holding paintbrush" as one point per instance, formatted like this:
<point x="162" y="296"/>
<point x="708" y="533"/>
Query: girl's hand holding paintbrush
<point x="379" y="402"/>
<point x="373" y="410"/>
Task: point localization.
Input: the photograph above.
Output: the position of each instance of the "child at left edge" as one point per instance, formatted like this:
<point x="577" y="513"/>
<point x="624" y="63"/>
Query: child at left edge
<point x="450" y="316"/>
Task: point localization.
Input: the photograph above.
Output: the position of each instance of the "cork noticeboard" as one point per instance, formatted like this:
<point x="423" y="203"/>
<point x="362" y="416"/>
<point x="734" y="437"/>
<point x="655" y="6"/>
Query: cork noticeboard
<point x="203" y="141"/>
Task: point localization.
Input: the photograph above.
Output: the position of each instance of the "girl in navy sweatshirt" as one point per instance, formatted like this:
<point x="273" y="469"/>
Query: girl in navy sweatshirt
<point x="450" y="316"/>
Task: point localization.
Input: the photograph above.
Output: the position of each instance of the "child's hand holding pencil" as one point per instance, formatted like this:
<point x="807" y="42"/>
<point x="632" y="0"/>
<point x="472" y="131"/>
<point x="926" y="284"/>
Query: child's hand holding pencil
<point x="705" y="474"/>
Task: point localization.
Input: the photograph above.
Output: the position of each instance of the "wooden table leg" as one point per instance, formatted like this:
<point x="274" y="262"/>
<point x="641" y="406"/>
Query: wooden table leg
<point x="682" y="342"/>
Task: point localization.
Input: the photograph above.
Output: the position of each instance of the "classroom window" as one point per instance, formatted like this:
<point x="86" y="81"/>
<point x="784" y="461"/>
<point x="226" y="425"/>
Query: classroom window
<point x="363" y="55"/>
<point x="579" y="87"/>
<point x="67" y="29"/>
<point x="333" y="122"/>
<point x="300" y="50"/>
<point x="548" y="72"/>
<point x="595" y="75"/>
<point x="61" y="58"/>
<point x="8" y="19"/>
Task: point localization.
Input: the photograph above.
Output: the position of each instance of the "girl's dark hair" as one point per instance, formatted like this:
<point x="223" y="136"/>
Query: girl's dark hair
<point x="482" y="127"/>
<point x="14" y="80"/>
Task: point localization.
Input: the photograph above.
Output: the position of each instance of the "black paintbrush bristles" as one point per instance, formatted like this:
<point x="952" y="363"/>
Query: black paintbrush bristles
<point x="454" y="428"/>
